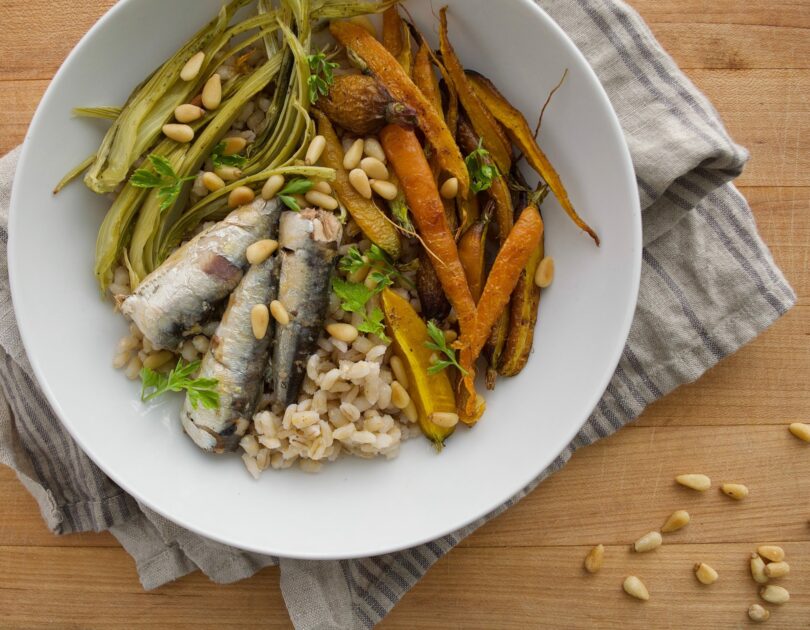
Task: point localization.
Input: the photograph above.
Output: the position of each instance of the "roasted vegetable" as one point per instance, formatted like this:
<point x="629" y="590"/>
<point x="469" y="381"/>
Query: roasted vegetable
<point x="485" y="125"/>
<point x="361" y="105"/>
<point x="521" y="243"/>
<point x="397" y="38"/>
<point x="367" y="215"/>
<point x="431" y="295"/>
<point x="521" y="134"/>
<point x="430" y="393"/>
<point x="388" y="71"/>
<point x="425" y="78"/>
<point x="472" y="252"/>
<point x="523" y="310"/>
<point x="408" y="160"/>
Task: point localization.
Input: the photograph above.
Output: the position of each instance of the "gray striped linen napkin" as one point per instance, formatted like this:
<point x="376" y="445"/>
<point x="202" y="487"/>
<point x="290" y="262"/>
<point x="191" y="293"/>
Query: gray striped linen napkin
<point x="708" y="286"/>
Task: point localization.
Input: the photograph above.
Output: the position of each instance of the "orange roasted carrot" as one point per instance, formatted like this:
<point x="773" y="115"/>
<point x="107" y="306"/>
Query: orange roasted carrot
<point x="522" y="135"/>
<point x="425" y="78"/>
<point x="472" y="252"/>
<point x="397" y="38"/>
<point x="521" y="243"/>
<point x="484" y="123"/>
<point x="405" y="154"/>
<point x="388" y="71"/>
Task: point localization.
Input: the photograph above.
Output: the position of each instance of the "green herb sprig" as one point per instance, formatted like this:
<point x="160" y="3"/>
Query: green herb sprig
<point x="354" y="297"/>
<point x="321" y="75"/>
<point x="219" y="158"/>
<point x="383" y="270"/>
<point x="297" y="186"/>
<point x="167" y="182"/>
<point x="200" y="390"/>
<point x="481" y="168"/>
<point x="439" y="344"/>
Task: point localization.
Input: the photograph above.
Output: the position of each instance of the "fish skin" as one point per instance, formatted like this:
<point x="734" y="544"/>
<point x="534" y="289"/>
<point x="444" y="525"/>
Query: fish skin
<point x="237" y="360"/>
<point x="308" y="246"/>
<point x="188" y="286"/>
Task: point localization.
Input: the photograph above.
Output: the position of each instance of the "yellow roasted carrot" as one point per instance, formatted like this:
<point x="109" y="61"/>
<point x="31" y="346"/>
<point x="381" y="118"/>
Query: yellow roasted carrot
<point x="518" y="129"/>
<point x="430" y="393"/>
<point x="397" y="38"/>
<point x="484" y="123"/>
<point x="369" y="218"/>
<point x="388" y="71"/>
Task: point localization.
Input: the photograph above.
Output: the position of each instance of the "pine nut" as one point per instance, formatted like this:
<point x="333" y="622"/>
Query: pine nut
<point x="342" y="332"/>
<point x="695" y="482"/>
<point x="777" y="569"/>
<point x="179" y="133"/>
<point x="212" y="93"/>
<point x="363" y="22"/>
<point x="240" y="196"/>
<point x="317" y="198"/>
<point x="315" y="150"/>
<point x="192" y="67"/>
<point x="234" y="145"/>
<point x="444" y="419"/>
<point x="635" y="588"/>
<point x="758" y="569"/>
<point x="384" y="189"/>
<point x="676" y="520"/>
<point x="159" y="359"/>
<point x="212" y="181"/>
<point x="259" y="320"/>
<point x="272" y="186"/>
<point x="279" y="313"/>
<point x="121" y="359"/>
<point x="374" y="168"/>
<point x="800" y="430"/>
<point x="323" y="187"/>
<point x="705" y="574"/>
<point x="594" y="559"/>
<point x="648" y="542"/>
<point x="359" y="181"/>
<point x="774" y="594"/>
<point x="544" y="275"/>
<point x="758" y="613"/>
<point x="736" y="491"/>
<point x="260" y="251"/>
<point x="410" y="412"/>
<point x="353" y="155"/>
<point x="398" y="368"/>
<point x="229" y="173"/>
<point x="373" y="148"/>
<point x="399" y="396"/>
<point x="449" y="188"/>
<point x="771" y="552"/>
<point x="133" y="368"/>
<point x="450" y="335"/>
<point x="188" y="113"/>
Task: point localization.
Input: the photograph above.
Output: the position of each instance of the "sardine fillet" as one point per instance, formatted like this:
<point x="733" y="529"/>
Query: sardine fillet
<point x="199" y="275"/>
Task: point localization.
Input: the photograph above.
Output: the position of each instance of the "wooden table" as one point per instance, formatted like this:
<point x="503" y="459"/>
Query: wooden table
<point x="524" y="569"/>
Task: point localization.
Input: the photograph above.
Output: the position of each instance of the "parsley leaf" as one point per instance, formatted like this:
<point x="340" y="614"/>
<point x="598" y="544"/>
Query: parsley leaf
<point x="321" y="76"/>
<point x="354" y="297"/>
<point x="482" y="170"/>
<point x="439" y="344"/>
<point x="297" y="186"/>
<point x="219" y="158"/>
<point x="163" y="178"/>
<point x="201" y="391"/>
<point x="383" y="270"/>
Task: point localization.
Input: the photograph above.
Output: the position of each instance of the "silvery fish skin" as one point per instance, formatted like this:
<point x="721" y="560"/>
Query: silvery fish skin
<point x="237" y="360"/>
<point x="193" y="280"/>
<point x="308" y="245"/>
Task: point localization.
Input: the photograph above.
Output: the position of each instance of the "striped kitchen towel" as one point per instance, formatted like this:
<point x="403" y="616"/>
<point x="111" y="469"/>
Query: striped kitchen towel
<point x="708" y="286"/>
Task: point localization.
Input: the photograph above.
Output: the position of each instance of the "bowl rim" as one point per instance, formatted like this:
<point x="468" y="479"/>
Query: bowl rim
<point x="634" y="272"/>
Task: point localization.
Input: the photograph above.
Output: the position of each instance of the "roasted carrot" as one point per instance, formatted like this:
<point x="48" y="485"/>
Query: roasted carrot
<point x="388" y="71"/>
<point x="484" y="123"/>
<point x="429" y="288"/>
<point x="366" y="214"/>
<point x="397" y="38"/>
<point x="521" y="243"/>
<point x="472" y="252"/>
<point x="425" y="78"/>
<point x="518" y="129"/>
<point x="406" y="156"/>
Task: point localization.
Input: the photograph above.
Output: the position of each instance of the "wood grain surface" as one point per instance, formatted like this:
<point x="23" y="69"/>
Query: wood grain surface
<point x="523" y="570"/>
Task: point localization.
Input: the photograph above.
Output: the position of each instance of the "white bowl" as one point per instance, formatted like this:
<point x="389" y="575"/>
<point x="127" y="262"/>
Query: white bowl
<point x="352" y="508"/>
